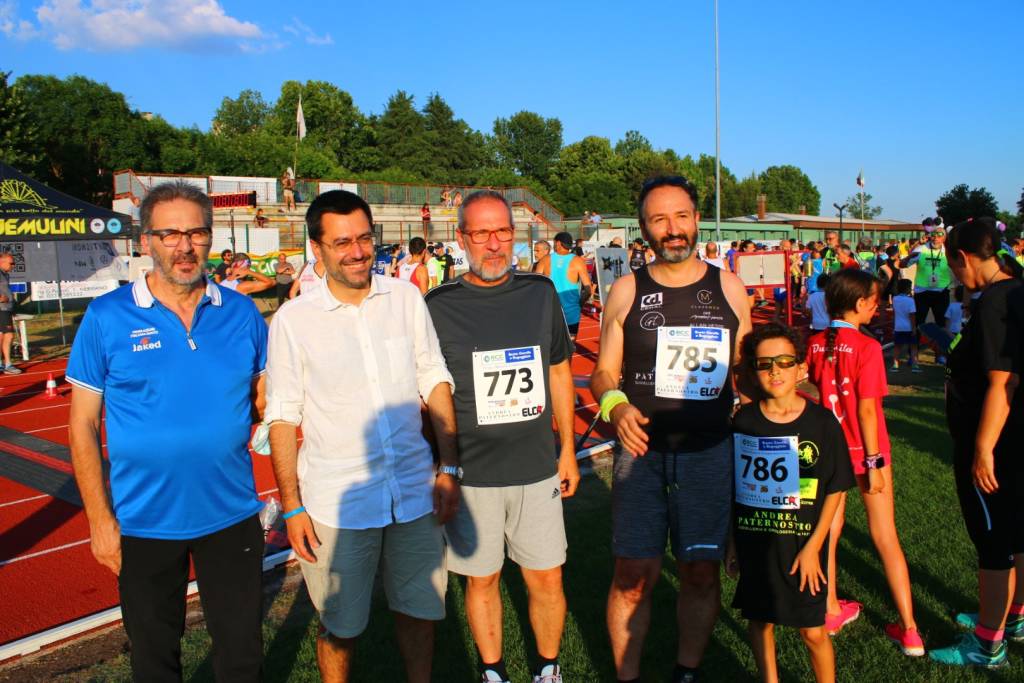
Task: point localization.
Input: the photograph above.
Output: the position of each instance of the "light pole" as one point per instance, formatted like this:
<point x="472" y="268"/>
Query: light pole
<point x="840" y="209"/>
<point x="718" y="142"/>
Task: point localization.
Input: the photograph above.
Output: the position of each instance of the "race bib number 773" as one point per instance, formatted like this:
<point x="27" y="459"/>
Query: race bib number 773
<point x="508" y="385"/>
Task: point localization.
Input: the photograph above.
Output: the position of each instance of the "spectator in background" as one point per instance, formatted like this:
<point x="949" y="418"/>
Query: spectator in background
<point x="457" y="202"/>
<point x="578" y="249"/>
<point x="7" y="314"/>
<point x="425" y="217"/>
<point x="541" y="249"/>
<point x="261" y="220"/>
<point x="414" y="268"/>
<point x="596" y="218"/>
<point x="446" y="198"/>
<point x="446" y="264"/>
<point x="711" y="255"/>
<point x="284" y="274"/>
<point x="730" y="256"/>
<point x="816" y="304"/>
<point x="846" y="258"/>
<point x="288" y="190"/>
<point x="243" y="279"/>
<point x="221" y="271"/>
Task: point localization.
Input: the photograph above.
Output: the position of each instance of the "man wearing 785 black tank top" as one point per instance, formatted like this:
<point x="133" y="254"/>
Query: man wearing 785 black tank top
<point x="670" y="335"/>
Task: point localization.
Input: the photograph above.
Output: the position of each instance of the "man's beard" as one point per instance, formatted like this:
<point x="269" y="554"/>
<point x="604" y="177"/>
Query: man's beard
<point x="166" y="267"/>
<point x="337" y="273"/>
<point x="487" y="273"/>
<point x="674" y="254"/>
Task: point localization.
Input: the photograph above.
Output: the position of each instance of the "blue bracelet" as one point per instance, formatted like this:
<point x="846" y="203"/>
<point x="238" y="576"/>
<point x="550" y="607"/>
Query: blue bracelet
<point x="289" y="515"/>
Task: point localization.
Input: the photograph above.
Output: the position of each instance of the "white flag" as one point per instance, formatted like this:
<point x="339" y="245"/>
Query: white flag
<point x="860" y="176"/>
<point x="300" y="120"/>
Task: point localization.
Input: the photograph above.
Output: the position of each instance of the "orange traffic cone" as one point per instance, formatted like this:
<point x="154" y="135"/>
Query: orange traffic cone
<point x="51" y="388"/>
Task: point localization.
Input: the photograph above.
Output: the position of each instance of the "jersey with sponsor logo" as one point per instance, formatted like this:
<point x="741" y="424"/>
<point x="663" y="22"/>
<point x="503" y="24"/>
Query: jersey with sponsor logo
<point x="178" y="407"/>
<point x="499" y="343"/>
<point x="771" y="522"/>
<point x="689" y="333"/>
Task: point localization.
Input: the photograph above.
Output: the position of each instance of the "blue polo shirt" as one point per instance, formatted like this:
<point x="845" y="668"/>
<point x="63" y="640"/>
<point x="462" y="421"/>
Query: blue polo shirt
<point x="177" y="407"/>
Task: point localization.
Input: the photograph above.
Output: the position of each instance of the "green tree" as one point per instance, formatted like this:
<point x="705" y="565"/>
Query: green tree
<point x="632" y="143"/>
<point x="401" y="136"/>
<point x="1020" y="204"/>
<point x="453" y="145"/>
<point x="528" y="143"/>
<point x="870" y="212"/>
<point x="19" y="137"/>
<point x="705" y="182"/>
<point x="788" y="188"/>
<point x="743" y="199"/>
<point x="87" y="131"/>
<point x="1013" y="223"/>
<point x="241" y="115"/>
<point x="592" y="154"/>
<point x="334" y="125"/>
<point x="593" y="190"/>
<point x="961" y="203"/>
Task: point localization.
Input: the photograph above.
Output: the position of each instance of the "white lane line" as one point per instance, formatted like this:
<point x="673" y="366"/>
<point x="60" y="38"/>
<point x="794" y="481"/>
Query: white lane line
<point x="32" y="410"/>
<point x="25" y="500"/>
<point x="19" y="558"/>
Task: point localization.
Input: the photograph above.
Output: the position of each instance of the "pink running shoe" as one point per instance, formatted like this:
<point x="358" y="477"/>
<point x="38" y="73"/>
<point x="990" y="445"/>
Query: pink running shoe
<point x="848" y="611"/>
<point x="909" y="641"/>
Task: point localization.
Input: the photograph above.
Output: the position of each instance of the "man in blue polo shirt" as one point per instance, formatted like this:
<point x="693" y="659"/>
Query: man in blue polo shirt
<point x="177" y="361"/>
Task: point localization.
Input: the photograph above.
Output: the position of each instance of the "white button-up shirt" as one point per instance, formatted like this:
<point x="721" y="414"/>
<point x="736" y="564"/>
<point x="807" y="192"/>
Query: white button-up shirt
<point x="353" y="377"/>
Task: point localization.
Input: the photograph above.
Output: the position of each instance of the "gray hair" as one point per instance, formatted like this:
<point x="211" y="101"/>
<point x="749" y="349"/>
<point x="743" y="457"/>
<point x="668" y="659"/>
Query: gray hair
<point x="480" y="195"/>
<point x="168" y="192"/>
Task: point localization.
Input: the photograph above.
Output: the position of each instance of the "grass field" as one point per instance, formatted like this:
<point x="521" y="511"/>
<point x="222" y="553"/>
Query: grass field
<point x="941" y="562"/>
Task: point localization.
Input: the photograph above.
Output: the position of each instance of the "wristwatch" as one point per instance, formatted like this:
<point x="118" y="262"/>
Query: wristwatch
<point x="453" y="470"/>
<point x="874" y="462"/>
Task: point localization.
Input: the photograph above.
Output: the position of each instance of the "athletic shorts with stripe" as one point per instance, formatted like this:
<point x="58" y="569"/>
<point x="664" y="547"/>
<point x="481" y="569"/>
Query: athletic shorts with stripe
<point x="994" y="521"/>
<point x="524" y="521"/>
<point x="684" y="497"/>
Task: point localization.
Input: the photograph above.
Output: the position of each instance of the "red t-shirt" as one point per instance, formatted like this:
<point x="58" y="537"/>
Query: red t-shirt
<point x="858" y="372"/>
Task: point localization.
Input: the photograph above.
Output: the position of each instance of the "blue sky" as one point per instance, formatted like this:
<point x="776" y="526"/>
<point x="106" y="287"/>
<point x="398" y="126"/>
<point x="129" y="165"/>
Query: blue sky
<point x="922" y="95"/>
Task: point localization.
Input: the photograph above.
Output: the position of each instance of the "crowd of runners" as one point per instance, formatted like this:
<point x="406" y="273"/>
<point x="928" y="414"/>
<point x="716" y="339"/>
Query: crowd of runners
<point x="437" y="436"/>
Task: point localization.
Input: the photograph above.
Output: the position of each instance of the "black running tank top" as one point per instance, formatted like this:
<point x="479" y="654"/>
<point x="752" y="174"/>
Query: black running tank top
<point x="637" y="259"/>
<point x="693" y="329"/>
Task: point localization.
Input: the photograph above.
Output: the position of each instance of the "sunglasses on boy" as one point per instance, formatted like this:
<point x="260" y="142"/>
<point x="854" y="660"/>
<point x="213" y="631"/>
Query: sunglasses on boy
<point x="783" y="361"/>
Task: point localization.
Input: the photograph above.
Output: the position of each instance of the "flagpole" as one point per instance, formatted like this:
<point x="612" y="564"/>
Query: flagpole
<point x="718" y="142"/>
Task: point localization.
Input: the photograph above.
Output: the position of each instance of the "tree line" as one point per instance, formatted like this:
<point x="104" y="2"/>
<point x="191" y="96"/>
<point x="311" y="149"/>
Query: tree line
<point x="73" y="133"/>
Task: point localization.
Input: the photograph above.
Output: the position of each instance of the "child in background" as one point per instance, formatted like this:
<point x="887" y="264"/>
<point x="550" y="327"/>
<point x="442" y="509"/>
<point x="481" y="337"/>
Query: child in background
<point x="781" y="580"/>
<point x="904" y="320"/>
<point x="848" y="369"/>
<point x="955" y="312"/>
<point x="816" y="304"/>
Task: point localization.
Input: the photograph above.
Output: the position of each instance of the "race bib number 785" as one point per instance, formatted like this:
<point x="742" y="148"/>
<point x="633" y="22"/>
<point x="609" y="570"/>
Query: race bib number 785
<point x="508" y="385"/>
<point x="692" y="362"/>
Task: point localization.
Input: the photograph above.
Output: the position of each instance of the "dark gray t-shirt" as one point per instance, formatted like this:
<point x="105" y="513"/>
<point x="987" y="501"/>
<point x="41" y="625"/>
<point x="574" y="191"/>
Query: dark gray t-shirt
<point x="5" y="291"/>
<point x="499" y="343"/>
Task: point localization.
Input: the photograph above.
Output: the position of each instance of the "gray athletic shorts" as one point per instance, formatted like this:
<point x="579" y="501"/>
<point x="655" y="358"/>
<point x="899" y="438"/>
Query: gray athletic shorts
<point x="685" y="497"/>
<point x="524" y="520"/>
<point x="409" y="557"/>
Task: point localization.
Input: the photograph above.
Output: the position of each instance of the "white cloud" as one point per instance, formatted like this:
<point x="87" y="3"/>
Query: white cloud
<point x="114" y="25"/>
<point x="301" y="30"/>
<point x="13" y="27"/>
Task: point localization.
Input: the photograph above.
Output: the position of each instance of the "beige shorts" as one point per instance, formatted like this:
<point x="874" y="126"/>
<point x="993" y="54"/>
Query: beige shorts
<point x="411" y="559"/>
<point x="524" y="520"/>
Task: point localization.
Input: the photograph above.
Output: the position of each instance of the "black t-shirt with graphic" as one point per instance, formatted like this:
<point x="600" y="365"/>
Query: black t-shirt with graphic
<point x="768" y="540"/>
<point x="499" y="343"/>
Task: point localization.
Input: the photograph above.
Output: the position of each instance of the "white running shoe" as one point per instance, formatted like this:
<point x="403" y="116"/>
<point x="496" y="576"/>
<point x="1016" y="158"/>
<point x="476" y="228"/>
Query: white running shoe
<point x="552" y="673"/>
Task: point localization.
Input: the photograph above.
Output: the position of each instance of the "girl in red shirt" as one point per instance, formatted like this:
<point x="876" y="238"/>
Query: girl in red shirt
<point x="847" y="367"/>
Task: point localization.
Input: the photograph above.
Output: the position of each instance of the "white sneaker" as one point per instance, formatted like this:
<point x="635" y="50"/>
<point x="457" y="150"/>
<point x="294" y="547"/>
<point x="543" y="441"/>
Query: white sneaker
<point x="11" y="370"/>
<point x="492" y="677"/>
<point x="552" y="673"/>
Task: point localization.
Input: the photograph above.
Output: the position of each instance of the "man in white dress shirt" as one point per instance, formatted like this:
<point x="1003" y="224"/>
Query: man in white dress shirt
<point x="351" y="361"/>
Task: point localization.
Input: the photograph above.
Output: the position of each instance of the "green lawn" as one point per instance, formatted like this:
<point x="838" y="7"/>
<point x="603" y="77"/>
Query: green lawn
<point x="941" y="562"/>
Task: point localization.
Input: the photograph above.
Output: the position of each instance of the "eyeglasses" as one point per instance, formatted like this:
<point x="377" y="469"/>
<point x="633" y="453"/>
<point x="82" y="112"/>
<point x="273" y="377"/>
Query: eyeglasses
<point x="198" y="237"/>
<point x="483" y="236"/>
<point x="344" y="245"/>
<point x="784" y="362"/>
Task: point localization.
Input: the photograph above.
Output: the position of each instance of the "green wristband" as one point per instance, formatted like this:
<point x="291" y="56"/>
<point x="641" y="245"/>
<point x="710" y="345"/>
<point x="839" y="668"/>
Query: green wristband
<point x="609" y="400"/>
